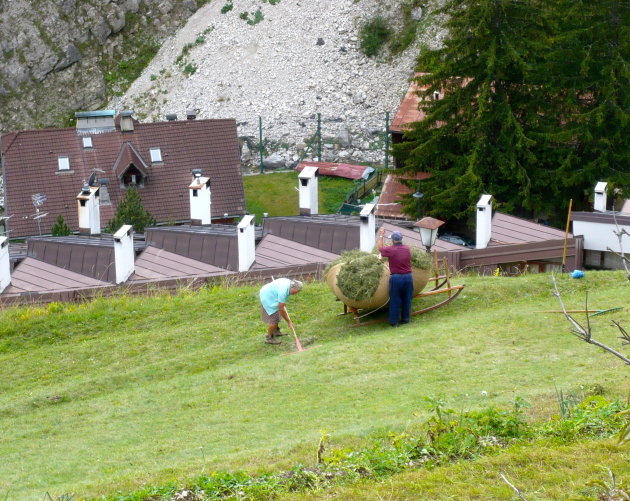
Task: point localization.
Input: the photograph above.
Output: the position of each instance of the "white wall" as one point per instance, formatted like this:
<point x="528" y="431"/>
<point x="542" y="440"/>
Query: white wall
<point x="246" y="242"/>
<point x="5" y="264"/>
<point x="124" y="255"/>
<point x="367" y="232"/>
<point x="599" y="236"/>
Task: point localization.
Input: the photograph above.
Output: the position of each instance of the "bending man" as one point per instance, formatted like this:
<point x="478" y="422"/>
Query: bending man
<point x="273" y="297"/>
<point x="400" y="280"/>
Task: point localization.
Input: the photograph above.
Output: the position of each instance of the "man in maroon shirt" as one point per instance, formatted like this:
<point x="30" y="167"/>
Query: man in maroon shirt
<point x="400" y="280"/>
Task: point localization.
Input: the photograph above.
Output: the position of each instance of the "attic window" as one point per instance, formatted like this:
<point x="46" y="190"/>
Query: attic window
<point x="64" y="163"/>
<point x="87" y="142"/>
<point x="156" y="155"/>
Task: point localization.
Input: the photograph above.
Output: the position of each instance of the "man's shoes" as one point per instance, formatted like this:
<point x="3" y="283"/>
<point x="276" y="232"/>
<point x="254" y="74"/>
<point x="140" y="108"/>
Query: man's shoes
<point x="395" y="325"/>
<point x="404" y="322"/>
<point x="272" y="340"/>
<point x="279" y="333"/>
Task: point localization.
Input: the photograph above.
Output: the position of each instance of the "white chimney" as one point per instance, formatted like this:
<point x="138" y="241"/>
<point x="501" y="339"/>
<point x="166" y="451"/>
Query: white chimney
<point x="88" y="203"/>
<point x="484" y="221"/>
<point x="308" y="190"/>
<point x="600" y="197"/>
<point x="367" y="232"/>
<point x="200" y="199"/>
<point x="246" y="242"/>
<point x="5" y="264"/>
<point x="124" y="255"/>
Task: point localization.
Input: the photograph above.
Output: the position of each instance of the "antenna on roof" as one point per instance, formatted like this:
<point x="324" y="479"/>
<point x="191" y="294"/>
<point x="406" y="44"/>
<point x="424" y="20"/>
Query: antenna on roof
<point x="38" y="200"/>
<point x="92" y="179"/>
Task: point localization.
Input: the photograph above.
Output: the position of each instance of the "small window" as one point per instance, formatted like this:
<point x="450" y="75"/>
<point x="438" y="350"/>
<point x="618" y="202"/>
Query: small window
<point x="64" y="163"/>
<point x="156" y="155"/>
<point x="195" y="193"/>
<point x="87" y="142"/>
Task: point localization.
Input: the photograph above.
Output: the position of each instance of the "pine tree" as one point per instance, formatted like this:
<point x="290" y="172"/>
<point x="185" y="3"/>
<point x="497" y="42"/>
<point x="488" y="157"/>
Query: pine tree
<point x="60" y="228"/>
<point x="591" y="69"/>
<point x="131" y="211"/>
<point x="488" y="132"/>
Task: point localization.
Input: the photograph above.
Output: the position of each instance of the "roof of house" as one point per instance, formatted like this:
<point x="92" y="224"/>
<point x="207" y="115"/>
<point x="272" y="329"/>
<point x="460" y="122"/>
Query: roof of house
<point x="347" y="171"/>
<point x="275" y="252"/>
<point x="408" y="111"/>
<point x="33" y="275"/>
<point x="155" y="264"/>
<point x="31" y="167"/>
<point x="507" y="229"/>
<point x="330" y="233"/>
<point x="412" y="238"/>
<point x="388" y="202"/>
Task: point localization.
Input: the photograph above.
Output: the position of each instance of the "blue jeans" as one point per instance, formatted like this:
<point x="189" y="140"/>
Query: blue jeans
<point x="400" y="294"/>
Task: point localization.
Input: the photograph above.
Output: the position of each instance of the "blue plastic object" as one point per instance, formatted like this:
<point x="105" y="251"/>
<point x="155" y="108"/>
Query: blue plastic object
<point x="577" y="274"/>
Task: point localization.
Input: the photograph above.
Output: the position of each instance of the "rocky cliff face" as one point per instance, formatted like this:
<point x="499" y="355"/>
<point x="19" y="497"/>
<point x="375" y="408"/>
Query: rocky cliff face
<point x="58" y="56"/>
<point x="288" y="65"/>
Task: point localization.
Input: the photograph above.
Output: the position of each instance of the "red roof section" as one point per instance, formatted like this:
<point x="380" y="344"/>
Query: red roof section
<point x="348" y="171"/>
<point x="30" y="167"/>
<point x="408" y="111"/>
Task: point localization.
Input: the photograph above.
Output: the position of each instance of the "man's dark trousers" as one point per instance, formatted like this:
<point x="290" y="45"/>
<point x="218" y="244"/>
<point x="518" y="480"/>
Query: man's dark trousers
<point x="400" y="294"/>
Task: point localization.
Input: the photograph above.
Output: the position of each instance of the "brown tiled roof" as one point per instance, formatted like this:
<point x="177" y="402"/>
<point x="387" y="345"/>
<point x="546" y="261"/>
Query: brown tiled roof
<point x="274" y="252"/>
<point x="156" y="263"/>
<point x="129" y="155"/>
<point x="32" y="275"/>
<point x="30" y="166"/>
<point x="347" y="171"/>
<point x="508" y="229"/>
<point x="388" y="202"/>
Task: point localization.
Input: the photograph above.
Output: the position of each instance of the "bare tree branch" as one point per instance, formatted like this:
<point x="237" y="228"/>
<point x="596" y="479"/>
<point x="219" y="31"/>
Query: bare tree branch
<point x="515" y="489"/>
<point x="625" y="337"/>
<point x="585" y="333"/>
<point x="620" y="232"/>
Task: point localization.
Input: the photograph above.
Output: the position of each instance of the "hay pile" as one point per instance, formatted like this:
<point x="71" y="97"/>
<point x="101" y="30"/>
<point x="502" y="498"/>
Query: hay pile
<point x="361" y="272"/>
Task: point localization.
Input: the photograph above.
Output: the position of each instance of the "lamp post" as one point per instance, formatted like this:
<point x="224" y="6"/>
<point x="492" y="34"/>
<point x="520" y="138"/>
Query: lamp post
<point x="428" y="228"/>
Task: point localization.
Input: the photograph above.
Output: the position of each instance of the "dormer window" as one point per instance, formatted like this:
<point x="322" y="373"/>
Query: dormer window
<point x="156" y="155"/>
<point x="87" y="142"/>
<point x="64" y="163"/>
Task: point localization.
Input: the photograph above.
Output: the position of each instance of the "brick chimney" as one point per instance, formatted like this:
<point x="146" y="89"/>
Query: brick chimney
<point x="88" y="203"/>
<point x="308" y="187"/>
<point x="367" y="231"/>
<point x="599" y="203"/>
<point x="200" y="200"/>
<point x="484" y="221"/>
<point x="126" y="121"/>
<point x="5" y="265"/>
<point x="124" y="254"/>
<point x="246" y="242"/>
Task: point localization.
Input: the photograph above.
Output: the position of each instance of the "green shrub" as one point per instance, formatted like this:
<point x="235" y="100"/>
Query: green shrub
<point x="227" y="7"/>
<point x="190" y="69"/>
<point x="374" y="35"/>
<point x="60" y="228"/>
<point x="131" y="211"/>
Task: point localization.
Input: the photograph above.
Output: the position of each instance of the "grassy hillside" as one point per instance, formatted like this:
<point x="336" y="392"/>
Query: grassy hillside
<point x="276" y="193"/>
<point x="109" y="395"/>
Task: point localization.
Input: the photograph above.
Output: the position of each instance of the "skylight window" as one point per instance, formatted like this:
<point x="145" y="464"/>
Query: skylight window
<point x="87" y="142"/>
<point x="64" y="163"/>
<point x="156" y="155"/>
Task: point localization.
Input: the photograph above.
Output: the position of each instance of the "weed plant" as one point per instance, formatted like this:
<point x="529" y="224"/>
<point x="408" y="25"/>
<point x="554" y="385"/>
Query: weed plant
<point x="374" y="35"/>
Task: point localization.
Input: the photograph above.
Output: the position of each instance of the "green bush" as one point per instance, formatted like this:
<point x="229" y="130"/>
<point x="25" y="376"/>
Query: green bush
<point x="227" y="7"/>
<point x="131" y="211"/>
<point x="60" y="228"/>
<point x="374" y="35"/>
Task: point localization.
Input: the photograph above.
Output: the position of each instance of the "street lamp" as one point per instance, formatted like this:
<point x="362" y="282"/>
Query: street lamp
<point x="428" y="228"/>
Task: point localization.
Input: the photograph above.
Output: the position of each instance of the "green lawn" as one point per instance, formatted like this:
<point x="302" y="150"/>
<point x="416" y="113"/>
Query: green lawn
<point x="276" y="193"/>
<point x="109" y="395"/>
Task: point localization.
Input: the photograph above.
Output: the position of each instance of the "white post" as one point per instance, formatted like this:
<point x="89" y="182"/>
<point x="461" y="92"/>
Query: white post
<point x="600" y="197"/>
<point x="308" y="187"/>
<point x="246" y="242"/>
<point x="484" y="221"/>
<point x="5" y="264"/>
<point x="200" y="199"/>
<point x="367" y="234"/>
<point x="88" y="203"/>
<point x="124" y="256"/>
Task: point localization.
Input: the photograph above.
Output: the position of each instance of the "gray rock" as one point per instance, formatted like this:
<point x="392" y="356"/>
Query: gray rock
<point x="275" y="161"/>
<point x="101" y="31"/>
<point x="71" y="56"/>
<point x="132" y="5"/>
<point x="343" y="138"/>
<point x="116" y="19"/>
<point x="165" y="7"/>
<point x="417" y="13"/>
<point x="191" y="5"/>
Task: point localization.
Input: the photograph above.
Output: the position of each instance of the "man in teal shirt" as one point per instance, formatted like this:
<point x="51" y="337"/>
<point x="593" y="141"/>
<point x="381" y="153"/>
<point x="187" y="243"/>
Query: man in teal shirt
<point x="273" y="297"/>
